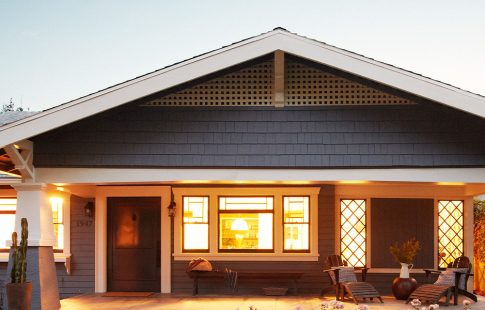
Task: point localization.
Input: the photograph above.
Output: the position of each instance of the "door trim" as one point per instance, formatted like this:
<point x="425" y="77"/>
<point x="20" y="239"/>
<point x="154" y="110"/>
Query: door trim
<point x="101" y="231"/>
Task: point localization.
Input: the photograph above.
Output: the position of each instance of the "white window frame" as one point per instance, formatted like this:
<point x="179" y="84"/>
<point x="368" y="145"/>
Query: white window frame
<point x="277" y="192"/>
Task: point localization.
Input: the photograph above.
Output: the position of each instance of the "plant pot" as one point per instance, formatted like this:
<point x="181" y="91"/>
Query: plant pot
<point x="403" y="287"/>
<point x="19" y="295"/>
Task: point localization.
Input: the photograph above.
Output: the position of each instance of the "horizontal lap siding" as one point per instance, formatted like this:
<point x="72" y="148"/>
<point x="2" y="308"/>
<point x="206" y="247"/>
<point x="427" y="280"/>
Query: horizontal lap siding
<point x="421" y="135"/>
<point x="81" y="279"/>
<point x="312" y="281"/>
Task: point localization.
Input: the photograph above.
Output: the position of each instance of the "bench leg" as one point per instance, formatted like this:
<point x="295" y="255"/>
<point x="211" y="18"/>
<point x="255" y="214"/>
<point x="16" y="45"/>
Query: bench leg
<point x="448" y="296"/>
<point x="295" y="287"/>
<point x="195" y="289"/>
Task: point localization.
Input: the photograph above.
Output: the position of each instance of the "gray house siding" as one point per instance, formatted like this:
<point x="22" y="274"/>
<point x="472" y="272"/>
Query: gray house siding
<point x="81" y="279"/>
<point x="419" y="135"/>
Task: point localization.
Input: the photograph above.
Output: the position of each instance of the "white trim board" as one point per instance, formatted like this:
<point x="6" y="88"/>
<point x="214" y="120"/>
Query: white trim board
<point x="293" y="176"/>
<point x="234" y="54"/>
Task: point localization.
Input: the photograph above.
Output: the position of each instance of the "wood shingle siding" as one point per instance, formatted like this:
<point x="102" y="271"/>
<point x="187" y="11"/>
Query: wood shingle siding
<point x="421" y="135"/>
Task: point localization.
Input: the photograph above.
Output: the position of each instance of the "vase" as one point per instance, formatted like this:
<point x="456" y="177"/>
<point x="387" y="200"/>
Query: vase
<point x="403" y="287"/>
<point x="19" y="295"/>
<point x="405" y="268"/>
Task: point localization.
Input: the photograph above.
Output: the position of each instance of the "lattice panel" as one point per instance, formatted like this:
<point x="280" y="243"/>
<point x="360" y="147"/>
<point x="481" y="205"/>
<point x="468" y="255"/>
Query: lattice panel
<point x="450" y="231"/>
<point x="249" y="86"/>
<point x="353" y="231"/>
<point x="309" y="86"/>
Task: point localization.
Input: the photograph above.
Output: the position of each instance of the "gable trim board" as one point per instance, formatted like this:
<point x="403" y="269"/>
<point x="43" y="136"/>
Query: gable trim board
<point x="234" y="54"/>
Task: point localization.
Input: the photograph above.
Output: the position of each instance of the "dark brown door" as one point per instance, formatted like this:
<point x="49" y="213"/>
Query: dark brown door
<point x="134" y="244"/>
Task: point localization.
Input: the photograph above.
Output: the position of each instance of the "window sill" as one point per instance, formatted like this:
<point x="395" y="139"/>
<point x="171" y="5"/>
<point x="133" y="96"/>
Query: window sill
<point x="248" y="257"/>
<point x="61" y="257"/>
<point x="393" y="270"/>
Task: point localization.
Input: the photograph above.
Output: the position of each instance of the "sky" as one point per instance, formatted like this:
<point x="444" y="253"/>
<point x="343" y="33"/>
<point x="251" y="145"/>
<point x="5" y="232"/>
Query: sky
<point x="52" y="52"/>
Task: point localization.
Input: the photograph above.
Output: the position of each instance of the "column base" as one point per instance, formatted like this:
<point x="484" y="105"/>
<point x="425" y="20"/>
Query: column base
<point x="41" y="271"/>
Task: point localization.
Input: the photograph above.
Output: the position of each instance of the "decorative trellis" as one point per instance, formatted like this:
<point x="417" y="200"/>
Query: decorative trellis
<point x="251" y="86"/>
<point x="254" y="85"/>
<point x="353" y="231"/>
<point x="450" y="231"/>
<point x="306" y="85"/>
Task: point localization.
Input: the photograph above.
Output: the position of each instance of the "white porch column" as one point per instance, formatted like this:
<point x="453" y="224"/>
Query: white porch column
<point x="468" y="236"/>
<point x="33" y="204"/>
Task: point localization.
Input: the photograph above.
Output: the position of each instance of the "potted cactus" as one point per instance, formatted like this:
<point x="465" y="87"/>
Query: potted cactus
<point x="19" y="292"/>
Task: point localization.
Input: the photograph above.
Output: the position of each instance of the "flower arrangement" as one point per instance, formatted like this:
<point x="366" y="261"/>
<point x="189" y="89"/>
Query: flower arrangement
<point x="433" y="307"/>
<point x="415" y="303"/>
<point x="333" y="304"/>
<point x="361" y="307"/>
<point x="405" y="252"/>
<point x="467" y="305"/>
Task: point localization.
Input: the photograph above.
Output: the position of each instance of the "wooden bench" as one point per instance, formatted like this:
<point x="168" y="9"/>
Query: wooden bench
<point x="292" y="277"/>
<point x="430" y="293"/>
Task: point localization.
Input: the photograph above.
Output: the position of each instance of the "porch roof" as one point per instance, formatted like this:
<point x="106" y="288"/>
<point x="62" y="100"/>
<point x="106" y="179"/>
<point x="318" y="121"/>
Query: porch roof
<point x="236" y="53"/>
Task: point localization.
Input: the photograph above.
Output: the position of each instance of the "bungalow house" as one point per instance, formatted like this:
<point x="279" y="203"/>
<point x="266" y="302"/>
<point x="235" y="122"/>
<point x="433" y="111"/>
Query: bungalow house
<point x="267" y="154"/>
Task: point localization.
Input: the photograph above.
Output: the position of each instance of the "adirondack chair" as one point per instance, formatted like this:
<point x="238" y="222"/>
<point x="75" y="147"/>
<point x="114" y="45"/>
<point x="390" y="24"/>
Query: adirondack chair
<point x="451" y="282"/>
<point x="344" y="280"/>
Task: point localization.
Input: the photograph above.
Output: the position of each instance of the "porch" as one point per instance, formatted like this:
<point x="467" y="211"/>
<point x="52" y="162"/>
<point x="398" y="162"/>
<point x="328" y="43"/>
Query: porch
<point x="215" y="302"/>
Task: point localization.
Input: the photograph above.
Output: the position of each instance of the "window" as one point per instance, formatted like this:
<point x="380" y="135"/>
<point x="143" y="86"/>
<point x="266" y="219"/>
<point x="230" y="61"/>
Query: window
<point x="296" y="224"/>
<point x="196" y="224"/>
<point x="450" y="231"/>
<point x="245" y="224"/>
<point x="353" y="231"/>
<point x="58" y="220"/>
<point x="7" y="220"/>
<point x="8" y="208"/>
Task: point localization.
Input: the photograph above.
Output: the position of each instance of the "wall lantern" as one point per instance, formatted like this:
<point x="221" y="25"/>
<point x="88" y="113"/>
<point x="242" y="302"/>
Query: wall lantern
<point x="171" y="208"/>
<point x="89" y="209"/>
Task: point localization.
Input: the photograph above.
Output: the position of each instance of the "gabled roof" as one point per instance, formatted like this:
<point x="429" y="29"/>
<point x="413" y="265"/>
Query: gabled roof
<point x="13" y="116"/>
<point x="236" y="53"/>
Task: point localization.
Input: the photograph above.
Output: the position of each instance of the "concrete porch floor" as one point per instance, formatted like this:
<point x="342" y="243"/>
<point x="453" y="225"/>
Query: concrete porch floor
<point x="224" y="302"/>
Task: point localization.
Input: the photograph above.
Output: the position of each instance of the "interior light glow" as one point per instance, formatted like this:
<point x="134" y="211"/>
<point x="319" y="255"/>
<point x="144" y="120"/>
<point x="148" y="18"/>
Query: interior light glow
<point x="450" y="231"/>
<point x="239" y="224"/>
<point x="353" y="231"/>
<point x="196" y="223"/>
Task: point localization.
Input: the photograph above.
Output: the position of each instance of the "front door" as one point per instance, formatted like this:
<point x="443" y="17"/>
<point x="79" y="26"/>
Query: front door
<point x="134" y="244"/>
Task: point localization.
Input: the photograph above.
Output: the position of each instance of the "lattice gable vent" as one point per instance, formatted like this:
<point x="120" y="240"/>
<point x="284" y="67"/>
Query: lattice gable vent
<point x="305" y="85"/>
<point x="251" y="86"/>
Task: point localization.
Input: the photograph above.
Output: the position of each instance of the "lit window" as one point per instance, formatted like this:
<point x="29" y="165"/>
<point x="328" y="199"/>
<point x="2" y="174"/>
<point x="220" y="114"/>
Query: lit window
<point x="196" y="224"/>
<point x="7" y="220"/>
<point x="450" y="231"/>
<point x="296" y="224"/>
<point x="353" y="231"/>
<point x="58" y="221"/>
<point x="246" y="224"/>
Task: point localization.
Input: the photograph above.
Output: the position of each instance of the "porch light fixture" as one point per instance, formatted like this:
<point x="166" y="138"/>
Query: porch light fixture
<point x="89" y="209"/>
<point x="171" y="209"/>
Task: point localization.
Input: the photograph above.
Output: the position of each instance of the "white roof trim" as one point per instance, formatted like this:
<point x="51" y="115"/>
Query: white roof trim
<point x="231" y="55"/>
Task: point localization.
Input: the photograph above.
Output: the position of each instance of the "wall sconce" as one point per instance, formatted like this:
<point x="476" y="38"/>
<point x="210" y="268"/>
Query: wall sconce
<point x="89" y="209"/>
<point x="171" y="208"/>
